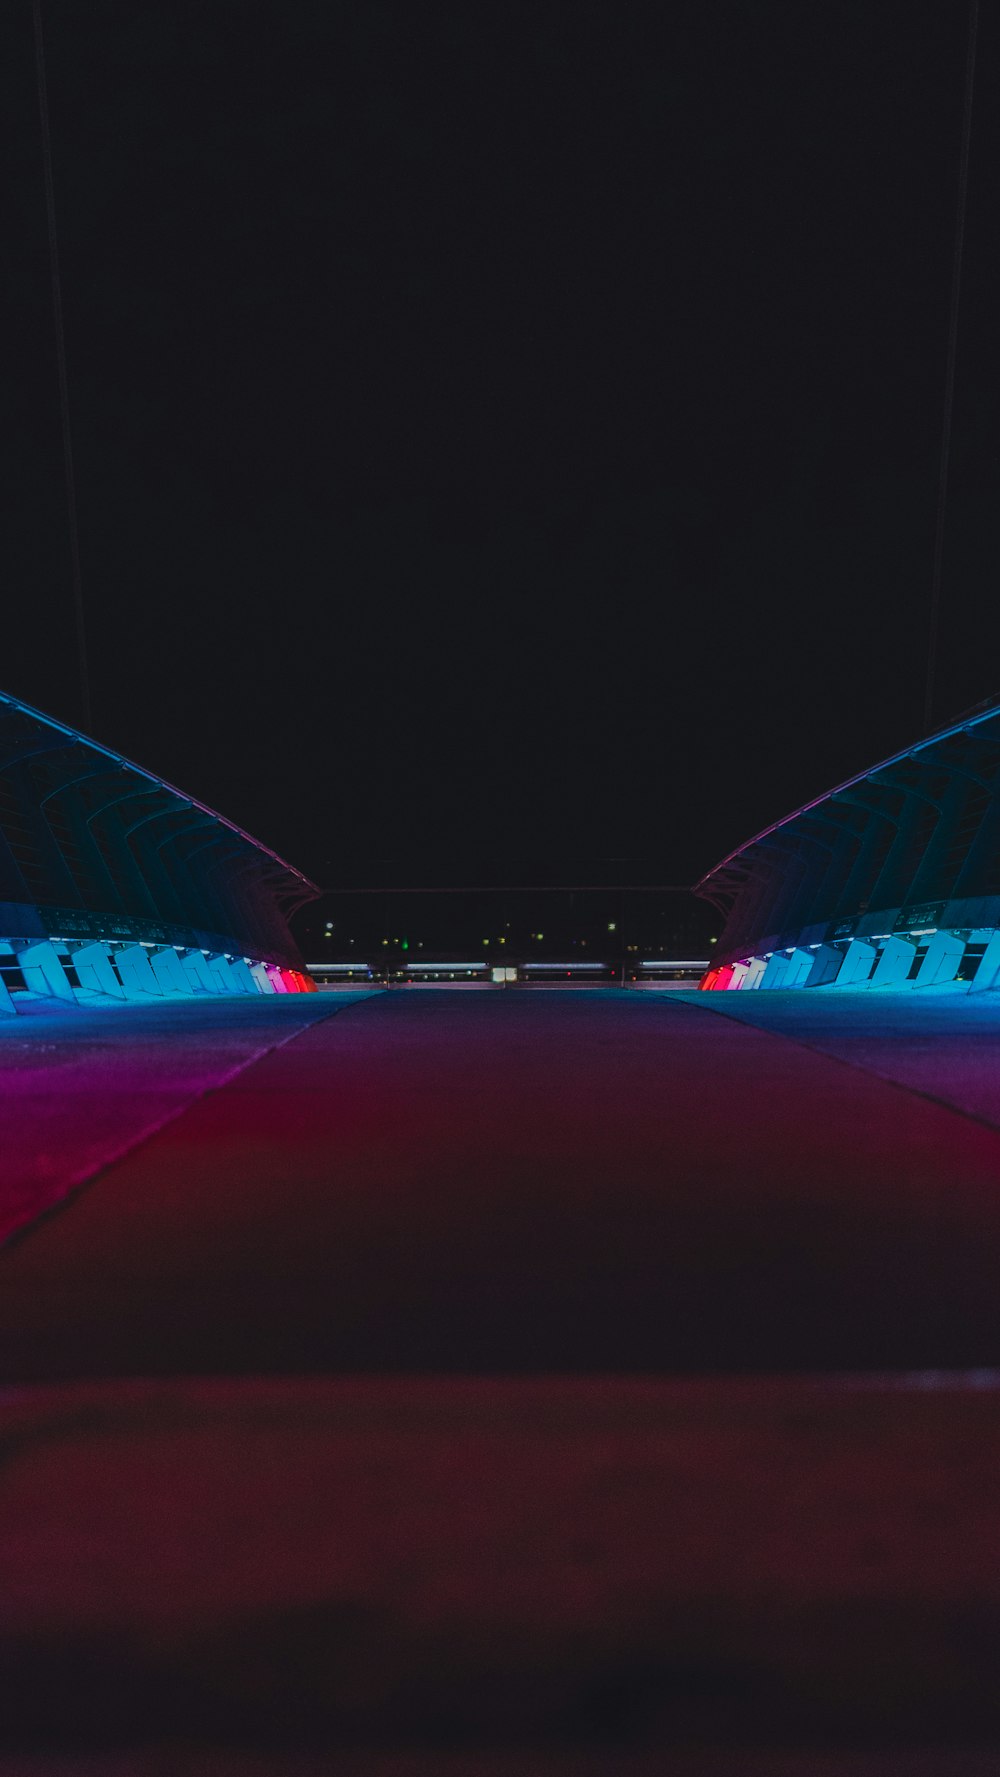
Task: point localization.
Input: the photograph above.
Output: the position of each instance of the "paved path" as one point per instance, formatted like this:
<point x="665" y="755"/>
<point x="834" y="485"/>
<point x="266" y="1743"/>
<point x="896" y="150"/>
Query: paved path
<point x="942" y="1044"/>
<point x="525" y="1183"/>
<point x="525" y="1566"/>
<point x="401" y="1393"/>
<point x="80" y="1087"/>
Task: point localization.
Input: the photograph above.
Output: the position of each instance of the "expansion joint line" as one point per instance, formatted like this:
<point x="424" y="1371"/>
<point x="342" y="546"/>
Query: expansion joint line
<point x="141" y="1139"/>
<point x="701" y="1004"/>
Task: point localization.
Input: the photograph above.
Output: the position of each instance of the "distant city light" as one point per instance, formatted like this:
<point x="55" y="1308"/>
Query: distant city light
<point x="564" y="967"/>
<point x="675" y="962"/>
<point x="612" y="925"/>
<point x="450" y="968"/>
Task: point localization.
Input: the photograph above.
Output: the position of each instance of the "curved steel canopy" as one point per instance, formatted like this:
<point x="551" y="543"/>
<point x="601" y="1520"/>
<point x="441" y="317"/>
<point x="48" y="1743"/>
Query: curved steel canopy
<point x="95" y="847"/>
<point x="96" y="746"/>
<point x="911" y="843"/>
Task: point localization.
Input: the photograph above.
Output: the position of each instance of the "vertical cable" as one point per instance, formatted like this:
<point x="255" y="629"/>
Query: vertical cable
<point x="949" y="379"/>
<point x="67" y="436"/>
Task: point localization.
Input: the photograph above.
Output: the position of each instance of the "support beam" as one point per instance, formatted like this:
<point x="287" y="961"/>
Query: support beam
<point x="826" y="964"/>
<point x="7" y="1006"/>
<point x="221" y="970"/>
<point x="988" y="973"/>
<point x="138" y="978"/>
<point x="798" y="970"/>
<point x="777" y="969"/>
<point x="200" y="977"/>
<point x="943" y="960"/>
<point x="261" y="976"/>
<point x="94" y="972"/>
<point x="894" y="962"/>
<point x="242" y="978"/>
<point x="168" y="969"/>
<point x="754" y="973"/>
<point x="43" y="972"/>
<point x="856" y="966"/>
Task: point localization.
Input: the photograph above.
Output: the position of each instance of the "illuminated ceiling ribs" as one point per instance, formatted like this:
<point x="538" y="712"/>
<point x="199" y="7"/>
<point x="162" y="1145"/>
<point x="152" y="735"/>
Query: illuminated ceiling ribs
<point x="113" y="883"/>
<point x="892" y="879"/>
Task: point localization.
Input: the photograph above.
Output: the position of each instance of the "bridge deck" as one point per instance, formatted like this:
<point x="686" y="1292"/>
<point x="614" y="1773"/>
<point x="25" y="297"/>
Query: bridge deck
<point x="525" y="1245"/>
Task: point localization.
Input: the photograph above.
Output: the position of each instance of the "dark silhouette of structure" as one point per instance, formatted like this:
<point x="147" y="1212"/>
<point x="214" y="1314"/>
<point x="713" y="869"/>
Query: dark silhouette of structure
<point x="113" y="883"/>
<point x="890" y="880"/>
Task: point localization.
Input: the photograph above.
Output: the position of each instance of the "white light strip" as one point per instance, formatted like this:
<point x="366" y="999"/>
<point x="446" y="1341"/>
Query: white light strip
<point x="697" y="962"/>
<point x="566" y="966"/>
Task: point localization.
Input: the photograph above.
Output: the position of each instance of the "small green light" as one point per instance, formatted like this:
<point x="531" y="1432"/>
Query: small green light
<point x="406" y="944"/>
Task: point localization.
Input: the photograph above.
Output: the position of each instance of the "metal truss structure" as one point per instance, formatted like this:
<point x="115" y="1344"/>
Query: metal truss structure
<point x="116" y="886"/>
<point x="890" y="880"/>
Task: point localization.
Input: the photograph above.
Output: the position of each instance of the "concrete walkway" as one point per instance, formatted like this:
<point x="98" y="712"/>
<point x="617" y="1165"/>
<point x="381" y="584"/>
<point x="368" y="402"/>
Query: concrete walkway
<point x="80" y="1087"/>
<point x="445" y="1391"/>
<point x="529" y="1566"/>
<point x="937" y="1042"/>
<point x="523" y="1184"/>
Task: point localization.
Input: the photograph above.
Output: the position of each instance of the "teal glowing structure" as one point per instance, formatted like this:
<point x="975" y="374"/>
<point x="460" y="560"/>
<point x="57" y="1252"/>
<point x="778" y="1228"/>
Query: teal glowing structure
<point x="114" y="885"/>
<point x="891" y="880"/>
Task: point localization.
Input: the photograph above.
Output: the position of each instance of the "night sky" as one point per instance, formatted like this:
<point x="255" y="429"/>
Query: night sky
<point x="506" y="437"/>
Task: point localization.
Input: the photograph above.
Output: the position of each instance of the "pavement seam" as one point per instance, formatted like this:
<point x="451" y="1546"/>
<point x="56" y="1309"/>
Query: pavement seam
<point x="857" y="1067"/>
<point x="95" y="1173"/>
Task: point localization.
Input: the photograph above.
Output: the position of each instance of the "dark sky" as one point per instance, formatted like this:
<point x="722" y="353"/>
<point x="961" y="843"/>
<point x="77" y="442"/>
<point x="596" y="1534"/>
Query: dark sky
<point x="503" y="434"/>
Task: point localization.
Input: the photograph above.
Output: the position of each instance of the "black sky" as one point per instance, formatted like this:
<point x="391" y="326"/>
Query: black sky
<point x="502" y="433"/>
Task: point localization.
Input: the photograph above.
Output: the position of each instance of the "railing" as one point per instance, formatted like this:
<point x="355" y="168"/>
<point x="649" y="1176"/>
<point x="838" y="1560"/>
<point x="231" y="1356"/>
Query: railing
<point x="114" y="885"/>
<point x="72" y="972"/>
